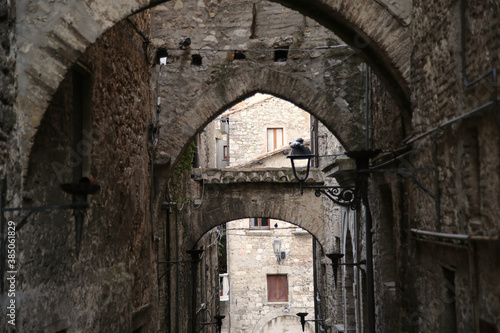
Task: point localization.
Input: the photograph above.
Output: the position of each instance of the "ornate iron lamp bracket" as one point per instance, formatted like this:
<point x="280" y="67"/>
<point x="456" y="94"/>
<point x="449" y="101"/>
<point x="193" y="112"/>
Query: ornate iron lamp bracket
<point x="343" y="196"/>
<point x="303" y="319"/>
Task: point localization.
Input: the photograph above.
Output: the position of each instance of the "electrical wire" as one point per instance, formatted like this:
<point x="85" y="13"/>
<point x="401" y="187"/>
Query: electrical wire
<point x="327" y="47"/>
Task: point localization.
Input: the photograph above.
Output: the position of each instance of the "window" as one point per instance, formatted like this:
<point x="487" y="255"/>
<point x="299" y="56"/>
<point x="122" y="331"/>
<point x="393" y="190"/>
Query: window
<point x="259" y="223"/>
<point x="281" y="54"/>
<point x="274" y="138"/>
<point x="277" y="288"/>
<point x="196" y="60"/>
<point x="448" y="315"/>
<point x="224" y="148"/>
<point x="239" y="55"/>
<point x="82" y="120"/>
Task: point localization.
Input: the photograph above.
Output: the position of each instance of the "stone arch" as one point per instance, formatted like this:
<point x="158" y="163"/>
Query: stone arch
<point x="292" y="319"/>
<point x="281" y="201"/>
<point x="59" y="33"/>
<point x="244" y="82"/>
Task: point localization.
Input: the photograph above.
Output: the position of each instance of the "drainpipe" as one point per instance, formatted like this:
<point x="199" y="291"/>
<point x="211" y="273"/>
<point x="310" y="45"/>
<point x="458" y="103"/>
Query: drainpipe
<point x="367" y="106"/>
<point x="168" y="278"/>
<point x="370" y="289"/>
<point x="195" y="260"/>
<point x="177" y="277"/>
<point x="362" y="163"/>
<point x="228" y="271"/>
<point x="315" y="286"/>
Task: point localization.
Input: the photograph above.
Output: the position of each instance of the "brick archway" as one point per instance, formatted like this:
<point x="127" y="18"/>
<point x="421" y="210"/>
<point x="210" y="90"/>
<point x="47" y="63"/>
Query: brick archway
<point x="73" y="27"/>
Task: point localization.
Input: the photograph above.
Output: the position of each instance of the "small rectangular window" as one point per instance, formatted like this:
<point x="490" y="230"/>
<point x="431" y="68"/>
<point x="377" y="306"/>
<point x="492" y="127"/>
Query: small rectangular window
<point x="274" y="138"/>
<point x="259" y="223"/>
<point x="277" y="288"/>
<point x="281" y="54"/>
<point x="224" y="153"/>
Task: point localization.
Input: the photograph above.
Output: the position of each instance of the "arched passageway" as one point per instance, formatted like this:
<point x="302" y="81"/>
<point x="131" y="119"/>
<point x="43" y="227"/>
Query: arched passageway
<point x="73" y="27"/>
<point x="347" y="125"/>
<point x="261" y="197"/>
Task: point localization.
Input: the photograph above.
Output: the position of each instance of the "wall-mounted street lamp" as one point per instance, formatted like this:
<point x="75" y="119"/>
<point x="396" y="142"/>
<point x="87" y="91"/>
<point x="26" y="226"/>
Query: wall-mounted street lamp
<point x="341" y="195"/>
<point x="218" y="322"/>
<point x="335" y="257"/>
<point x="277" y="250"/>
<point x="348" y="196"/>
<point x="300" y="152"/>
<point x="303" y="319"/>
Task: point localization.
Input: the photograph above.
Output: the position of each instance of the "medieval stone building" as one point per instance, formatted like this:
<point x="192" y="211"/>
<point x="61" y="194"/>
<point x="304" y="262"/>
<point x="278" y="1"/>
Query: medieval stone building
<point x="106" y="226"/>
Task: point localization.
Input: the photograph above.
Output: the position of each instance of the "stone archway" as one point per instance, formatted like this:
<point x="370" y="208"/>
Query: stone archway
<point x="282" y="323"/>
<point x="246" y="81"/>
<point x="59" y="33"/>
<point x="281" y="201"/>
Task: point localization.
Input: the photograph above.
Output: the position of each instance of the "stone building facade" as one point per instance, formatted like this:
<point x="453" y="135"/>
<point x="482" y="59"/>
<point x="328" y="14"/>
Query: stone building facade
<point x="262" y="124"/>
<point x="430" y="105"/>
<point x="251" y="266"/>
<point x="95" y="126"/>
<point x="259" y="129"/>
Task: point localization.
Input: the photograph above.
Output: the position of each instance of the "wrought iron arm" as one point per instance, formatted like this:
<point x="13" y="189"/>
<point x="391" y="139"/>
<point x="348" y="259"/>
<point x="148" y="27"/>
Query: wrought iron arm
<point x="343" y="196"/>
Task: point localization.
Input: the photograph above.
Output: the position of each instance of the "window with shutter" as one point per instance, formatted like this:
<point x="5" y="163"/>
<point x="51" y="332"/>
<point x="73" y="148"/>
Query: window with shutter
<point x="277" y="288"/>
<point x="259" y="223"/>
<point x="274" y="138"/>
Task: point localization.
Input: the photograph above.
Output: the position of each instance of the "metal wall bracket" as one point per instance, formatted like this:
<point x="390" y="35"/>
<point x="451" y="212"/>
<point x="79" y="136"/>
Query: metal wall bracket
<point x="303" y="319"/>
<point x="79" y="191"/>
<point x="343" y="196"/>
<point x="335" y="257"/>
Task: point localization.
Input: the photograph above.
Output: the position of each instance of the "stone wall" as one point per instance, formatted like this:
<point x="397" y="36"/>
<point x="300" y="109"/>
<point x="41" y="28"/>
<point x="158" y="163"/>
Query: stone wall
<point x="7" y="86"/>
<point x="249" y="121"/>
<point x="109" y="285"/>
<point x="464" y="154"/>
<point x="237" y="44"/>
<point x="60" y="31"/>
<point x="251" y="259"/>
<point x="460" y="155"/>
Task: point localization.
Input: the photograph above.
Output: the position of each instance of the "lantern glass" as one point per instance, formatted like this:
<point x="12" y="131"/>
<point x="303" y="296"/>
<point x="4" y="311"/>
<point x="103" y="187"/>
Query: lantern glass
<point x="277" y="246"/>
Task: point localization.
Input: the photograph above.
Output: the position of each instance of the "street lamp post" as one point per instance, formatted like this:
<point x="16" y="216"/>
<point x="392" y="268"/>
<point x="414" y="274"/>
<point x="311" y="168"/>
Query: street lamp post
<point x="347" y="198"/>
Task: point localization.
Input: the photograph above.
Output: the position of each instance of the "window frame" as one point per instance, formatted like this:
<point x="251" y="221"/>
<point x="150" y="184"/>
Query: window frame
<point x="275" y="139"/>
<point x="279" y="279"/>
<point x="259" y="223"/>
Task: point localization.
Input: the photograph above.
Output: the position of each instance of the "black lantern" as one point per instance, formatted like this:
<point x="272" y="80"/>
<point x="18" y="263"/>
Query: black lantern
<point x="344" y="196"/>
<point x="218" y="322"/>
<point x="303" y="319"/>
<point x="300" y="152"/>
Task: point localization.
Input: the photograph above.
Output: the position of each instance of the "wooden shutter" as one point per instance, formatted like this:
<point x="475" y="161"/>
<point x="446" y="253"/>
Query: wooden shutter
<point x="277" y="288"/>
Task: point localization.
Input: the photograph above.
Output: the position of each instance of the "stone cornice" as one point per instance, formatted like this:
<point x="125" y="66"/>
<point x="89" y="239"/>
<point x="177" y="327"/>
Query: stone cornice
<point x="253" y="175"/>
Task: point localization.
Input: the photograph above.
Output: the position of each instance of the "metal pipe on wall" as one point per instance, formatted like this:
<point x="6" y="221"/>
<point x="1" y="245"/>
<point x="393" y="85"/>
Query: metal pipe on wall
<point x="168" y="279"/>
